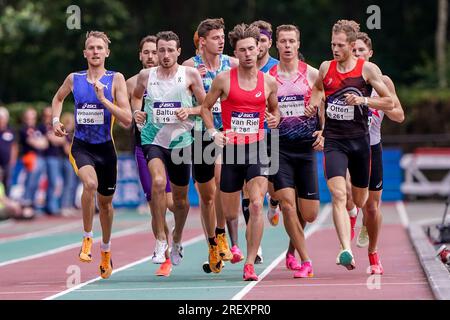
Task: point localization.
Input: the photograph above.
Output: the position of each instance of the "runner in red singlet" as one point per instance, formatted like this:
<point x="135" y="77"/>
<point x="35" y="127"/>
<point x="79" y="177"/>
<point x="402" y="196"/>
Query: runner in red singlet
<point x="244" y="92"/>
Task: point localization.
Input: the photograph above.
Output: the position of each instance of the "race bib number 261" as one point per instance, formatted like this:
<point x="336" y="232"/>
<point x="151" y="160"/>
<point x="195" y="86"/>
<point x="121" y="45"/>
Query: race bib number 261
<point x="340" y="112"/>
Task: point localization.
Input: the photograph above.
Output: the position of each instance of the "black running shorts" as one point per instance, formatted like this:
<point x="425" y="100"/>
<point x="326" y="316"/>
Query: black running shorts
<point x="376" y="168"/>
<point x="242" y="163"/>
<point x="102" y="157"/>
<point x="179" y="173"/>
<point x="353" y="154"/>
<point x="202" y="160"/>
<point x="298" y="170"/>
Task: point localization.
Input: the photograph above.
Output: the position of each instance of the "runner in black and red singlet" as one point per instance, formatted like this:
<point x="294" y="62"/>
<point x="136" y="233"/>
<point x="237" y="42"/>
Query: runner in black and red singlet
<point x="346" y="84"/>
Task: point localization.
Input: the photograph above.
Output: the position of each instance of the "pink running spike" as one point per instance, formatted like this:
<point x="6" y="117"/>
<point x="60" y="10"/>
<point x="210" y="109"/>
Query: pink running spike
<point x="306" y="271"/>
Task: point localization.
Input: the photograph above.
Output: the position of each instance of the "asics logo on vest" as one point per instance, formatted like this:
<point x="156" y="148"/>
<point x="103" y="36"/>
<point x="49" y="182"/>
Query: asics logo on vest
<point x="258" y="94"/>
<point x="89" y="106"/>
<point x="168" y="105"/>
<point x="245" y="115"/>
<point x="290" y="98"/>
<point x="329" y="81"/>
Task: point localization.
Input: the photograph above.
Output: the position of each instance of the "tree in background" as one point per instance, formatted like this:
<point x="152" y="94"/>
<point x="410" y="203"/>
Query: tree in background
<point x="441" y="43"/>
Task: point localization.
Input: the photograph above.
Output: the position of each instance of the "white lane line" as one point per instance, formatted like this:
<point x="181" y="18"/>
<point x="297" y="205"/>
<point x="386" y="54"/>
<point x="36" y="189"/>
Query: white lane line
<point x="312" y="228"/>
<point x="130" y="265"/>
<point x="46" y="253"/>
<point x="45" y="232"/>
<point x="400" y="206"/>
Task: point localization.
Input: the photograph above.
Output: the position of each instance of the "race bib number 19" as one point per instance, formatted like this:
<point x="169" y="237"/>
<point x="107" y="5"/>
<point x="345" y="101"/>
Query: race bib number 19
<point x="291" y="106"/>
<point x="245" y="122"/>
<point x="165" y="112"/>
<point x="90" y="116"/>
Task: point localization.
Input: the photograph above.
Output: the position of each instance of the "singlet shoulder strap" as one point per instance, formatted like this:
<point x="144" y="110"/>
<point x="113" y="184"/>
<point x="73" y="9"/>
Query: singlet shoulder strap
<point x="274" y="71"/>
<point x="359" y="65"/>
<point x="302" y="67"/>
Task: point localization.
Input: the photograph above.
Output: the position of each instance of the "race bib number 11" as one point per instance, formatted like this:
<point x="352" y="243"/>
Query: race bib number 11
<point x="291" y="106"/>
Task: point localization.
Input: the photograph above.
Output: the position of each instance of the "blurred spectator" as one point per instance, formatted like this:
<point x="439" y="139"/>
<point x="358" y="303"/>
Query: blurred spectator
<point x="8" y="207"/>
<point x="8" y="148"/>
<point x="54" y="156"/>
<point x="33" y="143"/>
<point x="69" y="177"/>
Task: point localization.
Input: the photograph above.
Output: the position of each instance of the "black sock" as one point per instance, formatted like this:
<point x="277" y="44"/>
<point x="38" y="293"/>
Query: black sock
<point x="245" y="210"/>
<point x="219" y="231"/>
<point x="274" y="203"/>
<point x="212" y="241"/>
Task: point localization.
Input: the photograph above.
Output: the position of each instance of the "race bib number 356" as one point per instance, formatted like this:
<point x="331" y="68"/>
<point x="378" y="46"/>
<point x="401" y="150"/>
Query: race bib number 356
<point x="90" y="116"/>
<point x="245" y="122"/>
<point x="340" y="112"/>
<point x="165" y="112"/>
<point x="291" y="106"/>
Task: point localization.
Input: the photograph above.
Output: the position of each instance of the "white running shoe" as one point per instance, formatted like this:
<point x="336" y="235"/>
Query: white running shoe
<point x="363" y="238"/>
<point x="273" y="214"/>
<point x="259" y="258"/>
<point x="159" y="255"/>
<point x="345" y="258"/>
<point x="176" y="253"/>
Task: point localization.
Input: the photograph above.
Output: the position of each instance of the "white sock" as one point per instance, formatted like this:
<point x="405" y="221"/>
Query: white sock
<point x="353" y="212"/>
<point x="105" y="247"/>
<point x="89" y="234"/>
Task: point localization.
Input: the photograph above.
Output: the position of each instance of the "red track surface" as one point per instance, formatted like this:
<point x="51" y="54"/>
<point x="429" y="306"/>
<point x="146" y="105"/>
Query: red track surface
<point x="403" y="276"/>
<point x="43" y="277"/>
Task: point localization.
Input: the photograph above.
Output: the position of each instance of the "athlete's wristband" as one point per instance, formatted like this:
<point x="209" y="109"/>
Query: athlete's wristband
<point x="55" y="120"/>
<point x="366" y="101"/>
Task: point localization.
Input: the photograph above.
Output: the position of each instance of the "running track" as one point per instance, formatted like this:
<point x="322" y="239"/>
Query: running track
<point x="38" y="260"/>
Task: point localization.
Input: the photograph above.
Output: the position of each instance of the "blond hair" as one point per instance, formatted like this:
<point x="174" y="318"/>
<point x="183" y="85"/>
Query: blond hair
<point x="349" y="27"/>
<point x="4" y="112"/>
<point x="288" y="27"/>
<point x="100" y="35"/>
